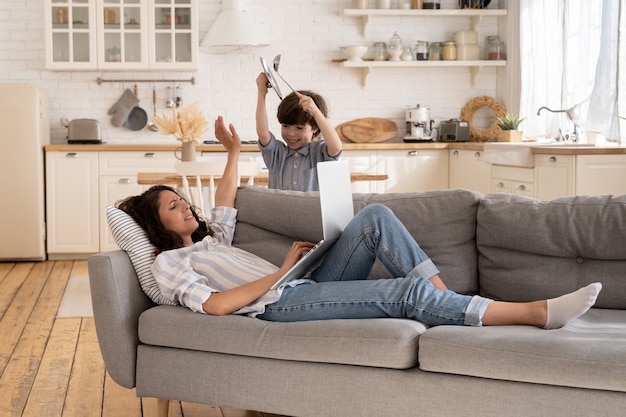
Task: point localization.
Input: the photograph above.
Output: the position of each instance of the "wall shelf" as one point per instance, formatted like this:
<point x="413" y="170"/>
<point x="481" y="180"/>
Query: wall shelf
<point x="366" y="66"/>
<point x="475" y="15"/>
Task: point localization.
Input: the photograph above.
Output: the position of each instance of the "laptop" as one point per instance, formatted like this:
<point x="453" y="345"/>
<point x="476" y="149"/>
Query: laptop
<point x="337" y="211"/>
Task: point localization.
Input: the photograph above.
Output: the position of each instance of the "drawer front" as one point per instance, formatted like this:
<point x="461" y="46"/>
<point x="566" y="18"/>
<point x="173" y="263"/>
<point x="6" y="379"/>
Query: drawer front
<point x="130" y="163"/>
<point x="500" y="186"/>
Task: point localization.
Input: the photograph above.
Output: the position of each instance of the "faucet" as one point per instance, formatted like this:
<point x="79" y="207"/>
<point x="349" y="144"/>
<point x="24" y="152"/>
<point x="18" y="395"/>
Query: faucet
<point x="550" y="110"/>
<point x="570" y="113"/>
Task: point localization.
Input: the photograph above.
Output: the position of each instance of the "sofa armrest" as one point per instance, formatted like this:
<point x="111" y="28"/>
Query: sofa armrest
<point x="118" y="301"/>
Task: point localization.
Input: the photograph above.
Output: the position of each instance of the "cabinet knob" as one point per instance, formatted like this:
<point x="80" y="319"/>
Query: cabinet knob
<point x="455" y="153"/>
<point x="477" y="154"/>
<point x="149" y="155"/>
<point x="552" y="159"/>
<point x="500" y="185"/>
<point x="71" y="155"/>
<point x="124" y="181"/>
<point x="413" y="153"/>
<point x="521" y="187"/>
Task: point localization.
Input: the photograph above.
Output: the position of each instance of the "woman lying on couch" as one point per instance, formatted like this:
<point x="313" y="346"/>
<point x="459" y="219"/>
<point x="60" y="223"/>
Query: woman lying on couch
<point x="199" y="268"/>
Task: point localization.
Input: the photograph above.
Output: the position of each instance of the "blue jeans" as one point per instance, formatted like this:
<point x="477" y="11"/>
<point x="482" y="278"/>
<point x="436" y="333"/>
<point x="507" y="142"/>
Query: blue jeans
<point x="342" y="290"/>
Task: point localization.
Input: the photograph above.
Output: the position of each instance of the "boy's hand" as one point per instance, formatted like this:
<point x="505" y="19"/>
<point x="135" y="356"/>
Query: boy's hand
<point x="262" y="83"/>
<point x="307" y="104"/>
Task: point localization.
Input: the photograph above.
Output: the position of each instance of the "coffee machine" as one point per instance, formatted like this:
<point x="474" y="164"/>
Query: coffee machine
<point x="419" y="125"/>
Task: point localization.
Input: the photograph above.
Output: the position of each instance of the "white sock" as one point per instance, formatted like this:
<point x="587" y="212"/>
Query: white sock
<point x="563" y="309"/>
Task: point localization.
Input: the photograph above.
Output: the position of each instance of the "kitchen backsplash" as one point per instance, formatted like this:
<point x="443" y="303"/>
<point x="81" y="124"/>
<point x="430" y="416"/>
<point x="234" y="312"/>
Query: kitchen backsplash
<point x="307" y="34"/>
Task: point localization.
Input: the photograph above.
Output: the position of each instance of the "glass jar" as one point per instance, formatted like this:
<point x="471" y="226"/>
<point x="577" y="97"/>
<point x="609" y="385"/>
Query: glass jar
<point x="421" y="51"/>
<point x="408" y="54"/>
<point x="417" y="4"/>
<point x="379" y="50"/>
<point x="432" y="4"/>
<point x="449" y="51"/>
<point x="495" y="49"/>
<point x="360" y="4"/>
<point x="435" y="51"/>
<point x="395" y="47"/>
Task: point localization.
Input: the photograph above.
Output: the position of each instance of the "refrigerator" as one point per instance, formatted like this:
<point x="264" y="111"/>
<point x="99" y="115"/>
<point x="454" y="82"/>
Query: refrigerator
<point x="24" y="131"/>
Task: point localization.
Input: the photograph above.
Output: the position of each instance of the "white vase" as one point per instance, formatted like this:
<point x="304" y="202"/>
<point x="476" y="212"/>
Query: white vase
<point x="187" y="152"/>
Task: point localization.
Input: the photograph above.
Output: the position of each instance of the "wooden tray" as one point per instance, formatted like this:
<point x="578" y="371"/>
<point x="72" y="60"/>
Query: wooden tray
<point x="367" y="130"/>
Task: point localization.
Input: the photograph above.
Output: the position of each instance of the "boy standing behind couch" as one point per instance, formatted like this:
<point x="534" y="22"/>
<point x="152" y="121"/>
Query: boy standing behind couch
<point x="293" y="165"/>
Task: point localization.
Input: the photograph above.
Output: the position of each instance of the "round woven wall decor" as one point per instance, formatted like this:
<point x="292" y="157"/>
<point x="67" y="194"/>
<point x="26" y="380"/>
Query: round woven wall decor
<point x="483" y="135"/>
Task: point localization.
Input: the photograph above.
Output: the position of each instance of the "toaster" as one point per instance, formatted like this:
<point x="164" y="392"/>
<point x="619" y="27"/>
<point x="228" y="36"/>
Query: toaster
<point x="84" y="131"/>
<point x="454" y="130"/>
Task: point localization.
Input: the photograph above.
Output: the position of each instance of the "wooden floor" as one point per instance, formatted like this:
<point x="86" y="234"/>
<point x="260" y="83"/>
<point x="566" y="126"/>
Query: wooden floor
<point x="52" y="366"/>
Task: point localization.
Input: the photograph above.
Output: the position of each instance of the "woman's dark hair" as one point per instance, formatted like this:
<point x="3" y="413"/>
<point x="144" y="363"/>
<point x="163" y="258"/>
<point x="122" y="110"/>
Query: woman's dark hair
<point x="144" y="209"/>
<point x="290" y="112"/>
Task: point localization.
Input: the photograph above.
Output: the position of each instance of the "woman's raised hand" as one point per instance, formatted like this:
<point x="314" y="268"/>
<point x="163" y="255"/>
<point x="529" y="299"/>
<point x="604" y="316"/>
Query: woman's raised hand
<point x="227" y="136"/>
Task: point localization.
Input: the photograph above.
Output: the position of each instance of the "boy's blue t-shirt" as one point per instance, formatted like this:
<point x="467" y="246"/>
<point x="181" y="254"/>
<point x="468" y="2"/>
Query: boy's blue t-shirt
<point x="294" y="170"/>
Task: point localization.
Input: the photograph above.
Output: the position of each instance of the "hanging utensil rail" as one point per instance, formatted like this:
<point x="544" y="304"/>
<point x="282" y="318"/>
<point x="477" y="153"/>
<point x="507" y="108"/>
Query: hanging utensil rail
<point x="101" y="80"/>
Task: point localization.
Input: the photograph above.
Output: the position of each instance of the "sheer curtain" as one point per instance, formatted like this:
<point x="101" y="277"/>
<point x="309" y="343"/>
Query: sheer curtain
<point x="570" y="53"/>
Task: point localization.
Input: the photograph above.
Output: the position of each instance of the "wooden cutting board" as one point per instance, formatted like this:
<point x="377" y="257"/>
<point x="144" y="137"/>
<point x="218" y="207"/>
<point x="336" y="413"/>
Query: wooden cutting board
<point x="367" y="130"/>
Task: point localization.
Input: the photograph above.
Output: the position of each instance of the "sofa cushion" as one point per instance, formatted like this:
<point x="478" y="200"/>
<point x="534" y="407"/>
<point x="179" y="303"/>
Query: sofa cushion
<point x="387" y="343"/>
<point x="132" y="239"/>
<point x="531" y="249"/>
<point x="443" y="222"/>
<point x="589" y="352"/>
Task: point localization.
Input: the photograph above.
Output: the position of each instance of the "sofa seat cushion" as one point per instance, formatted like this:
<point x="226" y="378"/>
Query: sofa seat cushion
<point x="386" y="343"/>
<point x="589" y="352"/>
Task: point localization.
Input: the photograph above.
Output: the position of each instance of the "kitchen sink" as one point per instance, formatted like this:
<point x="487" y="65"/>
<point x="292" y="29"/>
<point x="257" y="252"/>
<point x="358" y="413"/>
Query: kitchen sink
<point x="519" y="153"/>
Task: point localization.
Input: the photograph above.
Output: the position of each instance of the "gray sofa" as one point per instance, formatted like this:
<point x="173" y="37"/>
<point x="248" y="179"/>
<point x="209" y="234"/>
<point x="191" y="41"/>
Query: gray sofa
<point x="502" y="246"/>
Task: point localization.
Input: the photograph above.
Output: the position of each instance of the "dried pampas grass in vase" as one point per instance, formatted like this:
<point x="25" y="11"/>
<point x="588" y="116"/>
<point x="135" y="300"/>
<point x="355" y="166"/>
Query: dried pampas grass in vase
<point x="187" y="126"/>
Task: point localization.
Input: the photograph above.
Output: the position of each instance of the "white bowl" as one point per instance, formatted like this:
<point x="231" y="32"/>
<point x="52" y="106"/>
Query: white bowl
<point x="354" y="53"/>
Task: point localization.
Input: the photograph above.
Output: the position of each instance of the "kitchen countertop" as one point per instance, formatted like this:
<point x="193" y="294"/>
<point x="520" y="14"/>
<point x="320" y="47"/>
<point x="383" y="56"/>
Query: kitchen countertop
<point x="478" y="146"/>
<point x="252" y="148"/>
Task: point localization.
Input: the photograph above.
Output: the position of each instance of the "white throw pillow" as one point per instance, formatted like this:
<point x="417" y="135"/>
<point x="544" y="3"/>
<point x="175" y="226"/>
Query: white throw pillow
<point x="130" y="237"/>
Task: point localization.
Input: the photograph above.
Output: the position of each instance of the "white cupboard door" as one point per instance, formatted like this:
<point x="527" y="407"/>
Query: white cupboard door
<point x="173" y="42"/>
<point x="70" y="35"/>
<point x="72" y="202"/>
<point x="469" y="171"/>
<point x="413" y="170"/>
<point x="600" y="174"/>
<point x="122" y="34"/>
<point x="554" y="176"/>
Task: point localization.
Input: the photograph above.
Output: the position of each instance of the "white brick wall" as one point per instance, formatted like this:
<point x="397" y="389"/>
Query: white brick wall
<point x="308" y="35"/>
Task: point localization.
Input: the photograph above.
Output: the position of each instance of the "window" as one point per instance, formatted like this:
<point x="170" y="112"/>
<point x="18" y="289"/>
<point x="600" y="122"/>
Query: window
<point x="570" y="53"/>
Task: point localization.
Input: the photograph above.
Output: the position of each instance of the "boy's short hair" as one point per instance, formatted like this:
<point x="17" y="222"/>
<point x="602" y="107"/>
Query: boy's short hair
<point x="290" y="112"/>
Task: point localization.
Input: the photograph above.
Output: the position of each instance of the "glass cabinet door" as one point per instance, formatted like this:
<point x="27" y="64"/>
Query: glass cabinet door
<point x="122" y="34"/>
<point x="174" y="43"/>
<point x="71" y="42"/>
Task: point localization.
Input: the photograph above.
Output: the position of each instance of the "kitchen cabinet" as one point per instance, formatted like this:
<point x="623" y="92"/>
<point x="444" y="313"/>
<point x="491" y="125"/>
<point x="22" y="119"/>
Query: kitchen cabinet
<point x="513" y="180"/>
<point x="554" y="176"/>
<point x="79" y="186"/>
<point x="474" y="16"/>
<point x="121" y="34"/>
<point x="407" y="170"/>
<point x="600" y="174"/>
<point x="70" y="34"/>
<point x="71" y="203"/>
<point x="468" y="170"/>
<point x="412" y="170"/>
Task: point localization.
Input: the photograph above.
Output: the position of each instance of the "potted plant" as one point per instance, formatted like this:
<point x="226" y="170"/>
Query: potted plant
<point x="509" y="124"/>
